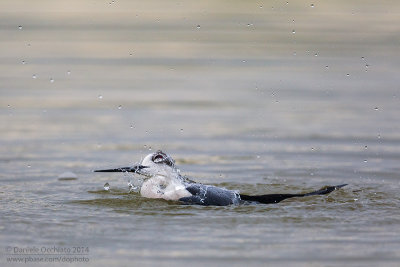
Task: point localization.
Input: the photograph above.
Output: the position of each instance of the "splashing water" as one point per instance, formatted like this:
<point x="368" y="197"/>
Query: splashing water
<point x="134" y="187"/>
<point x="106" y="186"/>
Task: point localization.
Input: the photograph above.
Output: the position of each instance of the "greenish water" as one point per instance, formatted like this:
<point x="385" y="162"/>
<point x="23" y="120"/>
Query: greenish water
<point x="240" y="102"/>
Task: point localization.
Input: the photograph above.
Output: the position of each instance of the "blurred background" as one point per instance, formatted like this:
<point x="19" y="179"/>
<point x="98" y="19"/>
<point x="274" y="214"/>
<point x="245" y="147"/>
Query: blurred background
<point x="261" y="96"/>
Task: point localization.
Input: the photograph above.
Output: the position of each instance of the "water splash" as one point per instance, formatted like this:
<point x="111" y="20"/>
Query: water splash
<point x="106" y="186"/>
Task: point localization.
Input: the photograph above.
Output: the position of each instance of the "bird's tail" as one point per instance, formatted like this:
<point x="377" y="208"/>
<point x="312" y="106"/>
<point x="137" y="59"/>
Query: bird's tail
<point x="276" y="198"/>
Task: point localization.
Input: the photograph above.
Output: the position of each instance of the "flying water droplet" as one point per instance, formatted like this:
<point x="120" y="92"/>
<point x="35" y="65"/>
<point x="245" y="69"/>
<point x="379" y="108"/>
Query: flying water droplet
<point x="376" y="108"/>
<point x="365" y="147"/>
<point x="131" y="126"/>
<point x="34" y="76"/>
<point x="68" y="72"/>
<point x="29" y="166"/>
<point x="348" y="74"/>
<point x="316" y="54"/>
<point x="106" y="186"/>
<point x="100" y="97"/>
<point x="51" y="80"/>
<point x="132" y="187"/>
<point x="198" y="27"/>
<point x="23" y="62"/>
<point x="312" y="5"/>
<point x="120" y="107"/>
<point x="293" y="31"/>
<point x="20" y="27"/>
<point x="365" y="161"/>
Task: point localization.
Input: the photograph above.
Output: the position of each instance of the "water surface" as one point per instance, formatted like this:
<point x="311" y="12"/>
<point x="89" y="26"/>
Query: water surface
<point x="262" y="97"/>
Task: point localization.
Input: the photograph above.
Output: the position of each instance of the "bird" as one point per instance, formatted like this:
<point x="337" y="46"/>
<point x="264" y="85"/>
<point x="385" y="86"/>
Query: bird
<point x="162" y="180"/>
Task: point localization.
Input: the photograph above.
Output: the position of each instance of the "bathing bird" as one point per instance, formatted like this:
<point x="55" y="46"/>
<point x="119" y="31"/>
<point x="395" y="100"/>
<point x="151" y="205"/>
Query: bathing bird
<point x="162" y="180"/>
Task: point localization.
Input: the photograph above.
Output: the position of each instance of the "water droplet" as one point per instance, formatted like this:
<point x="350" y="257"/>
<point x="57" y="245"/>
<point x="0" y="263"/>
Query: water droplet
<point x="293" y="31"/>
<point x="312" y="149"/>
<point x="69" y="72"/>
<point x="132" y="187"/>
<point x="261" y="6"/>
<point x="106" y="186"/>
<point x="316" y="54"/>
<point x="376" y="108"/>
<point x="34" y="76"/>
<point x="363" y="58"/>
<point x="327" y="67"/>
<point x="198" y="26"/>
<point x="379" y="136"/>
<point x="120" y="107"/>
<point x="294" y="53"/>
<point x="9" y="106"/>
<point x="20" y="27"/>
<point x="367" y="66"/>
<point x="130" y="54"/>
<point x="348" y="74"/>
<point x="100" y="97"/>
<point x="131" y="126"/>
<point x="365" y="147"/>
<point x="23" y="62"/>
<point x="312" y="5"/>
<point x="181" y="130"/>
<point x="51" y="80"/>
<point x="365" y="161"/>
<point x="29" y="166"/>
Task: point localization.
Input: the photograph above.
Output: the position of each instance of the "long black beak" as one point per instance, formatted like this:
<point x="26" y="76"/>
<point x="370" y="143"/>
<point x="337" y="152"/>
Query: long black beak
<point x="135" y="169"/>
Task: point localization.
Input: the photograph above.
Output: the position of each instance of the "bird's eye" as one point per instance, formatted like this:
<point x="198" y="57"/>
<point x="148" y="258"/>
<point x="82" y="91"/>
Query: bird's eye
<point x="158" y="158"/>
